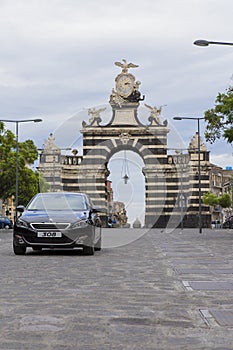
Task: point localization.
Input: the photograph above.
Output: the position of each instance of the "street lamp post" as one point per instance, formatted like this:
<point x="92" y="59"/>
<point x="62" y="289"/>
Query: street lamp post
<point x="17" y="151"/>
<point x="199" y="166"/>
<point x="202" y="42"/>
<point x="181" y="160"/>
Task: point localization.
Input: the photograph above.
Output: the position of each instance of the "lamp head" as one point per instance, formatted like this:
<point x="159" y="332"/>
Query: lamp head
<point x="177" y="118"/>
<point x="201" y="42"/>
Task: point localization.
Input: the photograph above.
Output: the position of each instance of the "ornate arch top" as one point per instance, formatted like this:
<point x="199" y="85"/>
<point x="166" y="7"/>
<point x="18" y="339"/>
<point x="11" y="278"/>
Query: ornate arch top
<point x="125" y="99"/>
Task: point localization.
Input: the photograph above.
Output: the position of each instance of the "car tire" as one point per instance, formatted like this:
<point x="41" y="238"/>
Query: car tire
<point x="98" y="244"/>
<point x="89" y="250"/>
<point x="19" y="250"/>
<point x="7" y="227"/>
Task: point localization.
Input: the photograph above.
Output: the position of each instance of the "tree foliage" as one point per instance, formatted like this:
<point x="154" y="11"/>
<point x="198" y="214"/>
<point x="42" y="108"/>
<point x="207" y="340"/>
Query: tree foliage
<point x="220" y="118"/>
<point x="225" y="200"/>
<point x="28" y="180"/>
<point x="211" y="199"/>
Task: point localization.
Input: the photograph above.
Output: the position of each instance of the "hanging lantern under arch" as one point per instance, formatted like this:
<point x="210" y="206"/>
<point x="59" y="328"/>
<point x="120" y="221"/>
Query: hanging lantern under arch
<point x="125" y="169"/>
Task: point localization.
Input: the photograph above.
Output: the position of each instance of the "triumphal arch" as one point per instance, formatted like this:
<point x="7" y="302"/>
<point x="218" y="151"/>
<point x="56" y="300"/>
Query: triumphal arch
<point x="172" y="185"/>
<point x="164" y="179"/>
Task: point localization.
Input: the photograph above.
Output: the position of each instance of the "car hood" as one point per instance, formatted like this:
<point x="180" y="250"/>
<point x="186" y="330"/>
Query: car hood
<point x="54" y="216"/>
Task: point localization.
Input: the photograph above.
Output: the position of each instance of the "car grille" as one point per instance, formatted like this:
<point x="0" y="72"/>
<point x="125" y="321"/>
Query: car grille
<point x="50" y="226"/>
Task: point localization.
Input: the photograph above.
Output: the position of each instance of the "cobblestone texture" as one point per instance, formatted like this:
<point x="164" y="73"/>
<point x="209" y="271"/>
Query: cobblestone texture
<point x="129" y="297"/>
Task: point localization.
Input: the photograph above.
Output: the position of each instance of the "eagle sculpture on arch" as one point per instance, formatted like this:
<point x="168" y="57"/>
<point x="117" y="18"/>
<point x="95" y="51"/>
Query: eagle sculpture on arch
<point x="125" y="66"/>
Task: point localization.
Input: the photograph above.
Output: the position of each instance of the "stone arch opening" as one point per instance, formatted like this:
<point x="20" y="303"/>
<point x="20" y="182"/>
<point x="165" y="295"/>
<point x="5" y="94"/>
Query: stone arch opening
<point x="132" y="193"/>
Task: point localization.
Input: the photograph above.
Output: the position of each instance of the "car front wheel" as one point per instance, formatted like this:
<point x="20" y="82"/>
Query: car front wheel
<point x="98" y="244"/>
<point x="19" y="250"/>
<point x="88" y="250"/>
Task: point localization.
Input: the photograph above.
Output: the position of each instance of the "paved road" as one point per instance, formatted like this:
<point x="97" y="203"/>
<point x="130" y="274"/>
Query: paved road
<point x="165" y="290"/>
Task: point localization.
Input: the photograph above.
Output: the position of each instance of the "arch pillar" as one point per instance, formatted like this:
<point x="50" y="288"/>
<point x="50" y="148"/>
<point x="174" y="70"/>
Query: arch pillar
<point x="91" y="180"/>
<point x="155" y="195"/>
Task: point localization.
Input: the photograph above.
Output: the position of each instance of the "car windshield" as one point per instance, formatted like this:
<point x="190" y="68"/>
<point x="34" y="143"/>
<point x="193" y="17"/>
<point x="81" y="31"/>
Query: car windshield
<point x="58" y="201"/>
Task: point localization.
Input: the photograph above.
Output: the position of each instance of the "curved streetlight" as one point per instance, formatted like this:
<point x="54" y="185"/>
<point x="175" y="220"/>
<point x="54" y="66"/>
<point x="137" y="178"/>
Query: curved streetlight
<point x="199" y="166"/>
<point x="202" y="42"/>
<point x="17" y="122"/>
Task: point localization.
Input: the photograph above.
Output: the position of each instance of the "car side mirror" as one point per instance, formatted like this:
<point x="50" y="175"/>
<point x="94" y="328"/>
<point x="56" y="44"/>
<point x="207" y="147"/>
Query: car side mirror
<point x="20" y="208"/>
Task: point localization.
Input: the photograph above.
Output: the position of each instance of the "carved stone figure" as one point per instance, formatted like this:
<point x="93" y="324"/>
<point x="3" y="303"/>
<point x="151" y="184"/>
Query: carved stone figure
<point x="125" y="65"/>
<point x="115" y="98"/>
<point x="94" y="119"/>
<point x="136" y="95"/>
<point x="154" y="114"/>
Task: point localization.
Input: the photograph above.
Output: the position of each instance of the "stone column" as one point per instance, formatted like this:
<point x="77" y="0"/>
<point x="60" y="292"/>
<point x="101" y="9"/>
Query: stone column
<point x="155" y="196"/>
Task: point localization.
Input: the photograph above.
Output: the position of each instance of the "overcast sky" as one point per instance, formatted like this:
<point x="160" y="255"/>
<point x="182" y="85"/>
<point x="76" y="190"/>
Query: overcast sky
<point x="57" y="59"/>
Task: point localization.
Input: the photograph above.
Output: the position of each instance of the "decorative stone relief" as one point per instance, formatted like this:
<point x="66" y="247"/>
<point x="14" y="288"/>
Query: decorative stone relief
<point x="194" y="143"/>
<point x="124" y="137"/>
<point x="50" y="145"/>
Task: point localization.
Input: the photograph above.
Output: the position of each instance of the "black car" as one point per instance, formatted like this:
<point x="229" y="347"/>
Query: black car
<point x="5" y="222"/>
<point x="228" y="222"/>
<point x="57" y="220"/>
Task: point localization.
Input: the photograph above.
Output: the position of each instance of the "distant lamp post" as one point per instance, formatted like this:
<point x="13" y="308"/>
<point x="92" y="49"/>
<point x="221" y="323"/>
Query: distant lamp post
<point x="202" y="42"/>
<point x="199" y="166"/>
<point x="17" y="122"/>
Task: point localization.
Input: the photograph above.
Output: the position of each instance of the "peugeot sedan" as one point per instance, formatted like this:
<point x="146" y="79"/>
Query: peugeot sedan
<point x="57" y="220"/>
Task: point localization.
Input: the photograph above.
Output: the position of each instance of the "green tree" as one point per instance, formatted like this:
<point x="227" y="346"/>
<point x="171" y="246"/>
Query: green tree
<point x="225" y="200"/>
<point x="43" y="184"/>
<point x="210" y="198"/>
<point x="28" y="180"/>
<point x="220" y="118"/>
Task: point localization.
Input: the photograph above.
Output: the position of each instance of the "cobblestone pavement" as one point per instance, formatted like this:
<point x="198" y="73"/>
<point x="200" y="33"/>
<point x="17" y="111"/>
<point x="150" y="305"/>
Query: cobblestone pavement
<point x="165" y="290"/>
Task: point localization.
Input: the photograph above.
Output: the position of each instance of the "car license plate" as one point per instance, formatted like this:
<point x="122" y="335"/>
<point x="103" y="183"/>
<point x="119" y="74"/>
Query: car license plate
<point x="49" y="234"/>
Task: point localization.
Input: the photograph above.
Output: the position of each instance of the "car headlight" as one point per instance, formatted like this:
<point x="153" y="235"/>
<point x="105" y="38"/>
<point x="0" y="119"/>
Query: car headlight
<point x="79" y="224"/>
<point x="21" y="223"/>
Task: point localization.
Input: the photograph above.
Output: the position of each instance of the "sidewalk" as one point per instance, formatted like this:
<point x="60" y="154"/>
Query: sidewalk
<point x="202" y="266"/>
